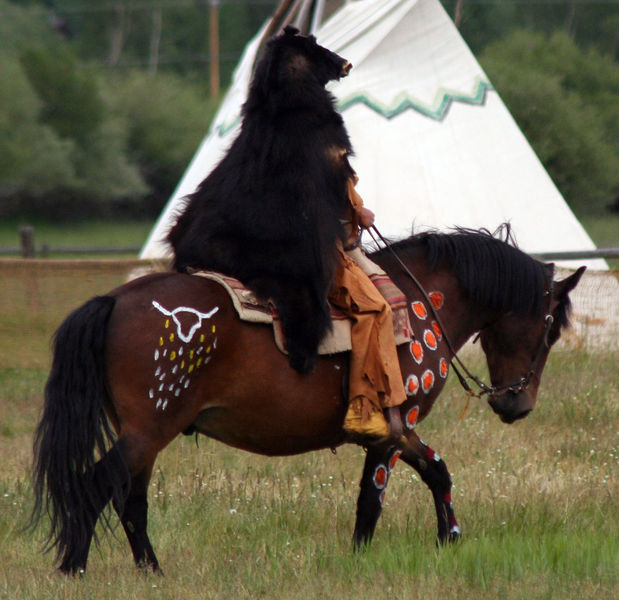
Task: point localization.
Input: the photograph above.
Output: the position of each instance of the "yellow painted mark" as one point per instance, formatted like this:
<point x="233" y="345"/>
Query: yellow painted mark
<point x="213" y="328"/>
<point x="161" y="341"/>
<point x="171" y="337"/>
<point x="190" y="369"/>
<point x="172" y="355"/>
<point x="201" y="337"/>
<point x="167" y="323"/>
<point x="191" y="354"/>
<point x="208" y="350"/>
<point x="199" y="362"/>
<point x="182" y="364"/>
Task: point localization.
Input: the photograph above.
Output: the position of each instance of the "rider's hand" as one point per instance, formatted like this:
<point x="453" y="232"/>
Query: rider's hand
<point x="366" y="217"/>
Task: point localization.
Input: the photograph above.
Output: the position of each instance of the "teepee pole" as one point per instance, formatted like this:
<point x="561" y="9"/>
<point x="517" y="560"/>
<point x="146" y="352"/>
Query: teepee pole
<point x="319" y="9"/>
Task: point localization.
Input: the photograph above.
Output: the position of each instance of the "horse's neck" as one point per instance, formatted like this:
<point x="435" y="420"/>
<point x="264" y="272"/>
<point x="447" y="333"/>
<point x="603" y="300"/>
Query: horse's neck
<point x="458" y="318"/>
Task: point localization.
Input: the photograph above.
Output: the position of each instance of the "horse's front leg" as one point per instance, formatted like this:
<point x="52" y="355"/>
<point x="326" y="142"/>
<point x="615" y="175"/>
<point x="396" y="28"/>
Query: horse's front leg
<point x="433" y="472"/>
<point x="378" y="464"/>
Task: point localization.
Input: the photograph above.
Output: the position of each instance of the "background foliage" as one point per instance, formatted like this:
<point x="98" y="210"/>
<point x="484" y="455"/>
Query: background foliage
<point x="566" y="101"/>
<point x="102" y="104"/>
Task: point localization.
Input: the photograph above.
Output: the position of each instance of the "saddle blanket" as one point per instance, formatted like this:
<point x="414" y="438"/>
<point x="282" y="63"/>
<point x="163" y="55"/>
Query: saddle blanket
<point x="250" y="308"/>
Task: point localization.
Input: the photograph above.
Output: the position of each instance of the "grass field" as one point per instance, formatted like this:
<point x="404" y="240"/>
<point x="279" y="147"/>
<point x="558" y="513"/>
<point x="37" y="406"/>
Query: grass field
<point x="537" y="501"/>
<point x="81" y="233"/>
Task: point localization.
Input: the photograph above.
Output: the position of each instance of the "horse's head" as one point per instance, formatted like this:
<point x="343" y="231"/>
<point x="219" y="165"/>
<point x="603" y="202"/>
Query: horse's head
<point x="517" y="347"/>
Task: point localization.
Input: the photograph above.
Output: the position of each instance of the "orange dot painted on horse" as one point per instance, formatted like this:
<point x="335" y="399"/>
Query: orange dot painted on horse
<point x="394" y="459"/>
<point x="437" y="330"/>
<point x="443" y="368"/>
<point x="412" y="385"/>
<point x="437" y="299"/>
<point x="417" y="351"/>
<point x="380" y="477"/>
<point x="427" y="381"/>
<point x="430" y="339"/>
<point x="411" y="417"/>
<point x="419" y="309"/>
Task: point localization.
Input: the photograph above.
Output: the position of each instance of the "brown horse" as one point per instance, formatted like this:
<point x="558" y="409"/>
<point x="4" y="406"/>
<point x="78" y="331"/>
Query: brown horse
<point x="167" y="354"/>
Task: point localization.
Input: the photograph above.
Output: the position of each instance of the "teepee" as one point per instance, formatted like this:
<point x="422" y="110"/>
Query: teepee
<point x="435" y="145"/>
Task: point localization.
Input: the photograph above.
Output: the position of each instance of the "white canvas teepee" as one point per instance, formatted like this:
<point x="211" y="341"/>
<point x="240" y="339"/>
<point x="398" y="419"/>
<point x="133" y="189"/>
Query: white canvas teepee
<point x="435" y="145"/>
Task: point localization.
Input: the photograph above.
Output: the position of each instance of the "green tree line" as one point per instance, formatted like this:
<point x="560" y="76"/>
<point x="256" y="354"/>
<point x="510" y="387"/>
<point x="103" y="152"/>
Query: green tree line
<point x="103" y="103"/>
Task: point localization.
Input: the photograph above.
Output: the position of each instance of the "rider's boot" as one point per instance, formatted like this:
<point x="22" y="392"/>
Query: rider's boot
<point x="367" y="425"/>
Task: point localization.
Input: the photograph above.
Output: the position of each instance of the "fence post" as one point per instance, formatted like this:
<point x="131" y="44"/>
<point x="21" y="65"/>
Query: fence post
<point x="26" y="235"/>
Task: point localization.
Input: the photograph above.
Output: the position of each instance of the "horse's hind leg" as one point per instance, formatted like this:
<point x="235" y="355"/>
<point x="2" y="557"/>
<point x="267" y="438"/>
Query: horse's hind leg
<point x="108" y="479"/>
<point x="378" y="464"/>
<point x="433" y="472"/>
<point x="134" y="518"/>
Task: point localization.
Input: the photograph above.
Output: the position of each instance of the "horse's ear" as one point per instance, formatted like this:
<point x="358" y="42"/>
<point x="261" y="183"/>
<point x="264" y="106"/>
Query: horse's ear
<point x="565" y="286"/>
<point x="290" y="30"/>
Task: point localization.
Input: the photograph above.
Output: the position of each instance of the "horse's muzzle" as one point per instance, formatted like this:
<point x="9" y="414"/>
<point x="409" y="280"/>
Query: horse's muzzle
<point x="346" y="67"/>
<point x="511" y="406"/>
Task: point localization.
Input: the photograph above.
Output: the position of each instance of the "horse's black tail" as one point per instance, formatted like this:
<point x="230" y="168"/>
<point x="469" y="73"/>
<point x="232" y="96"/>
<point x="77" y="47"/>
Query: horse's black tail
<point x="74" y="432"/>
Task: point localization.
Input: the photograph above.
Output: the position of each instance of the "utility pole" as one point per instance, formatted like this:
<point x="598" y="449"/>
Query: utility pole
<point x="155" y="39"/>
<point x="214" y="46"/>
<point x="458" y="13"/>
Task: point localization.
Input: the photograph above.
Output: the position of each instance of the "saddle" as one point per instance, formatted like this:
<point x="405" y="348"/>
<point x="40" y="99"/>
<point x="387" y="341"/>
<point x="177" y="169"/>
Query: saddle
<point x="251" y="309"/>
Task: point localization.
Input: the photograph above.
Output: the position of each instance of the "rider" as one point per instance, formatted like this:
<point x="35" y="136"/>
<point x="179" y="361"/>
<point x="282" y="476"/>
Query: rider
<point x="376" y="387"/>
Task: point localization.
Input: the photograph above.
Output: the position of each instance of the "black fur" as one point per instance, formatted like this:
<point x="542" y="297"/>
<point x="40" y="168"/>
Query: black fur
<point x="269" y="213"/>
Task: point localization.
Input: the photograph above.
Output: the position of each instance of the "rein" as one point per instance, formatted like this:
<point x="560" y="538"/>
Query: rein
<point x="517" y="386"/>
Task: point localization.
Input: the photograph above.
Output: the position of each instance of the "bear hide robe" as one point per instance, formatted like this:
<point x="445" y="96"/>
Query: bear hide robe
<point x="270" y="213"/>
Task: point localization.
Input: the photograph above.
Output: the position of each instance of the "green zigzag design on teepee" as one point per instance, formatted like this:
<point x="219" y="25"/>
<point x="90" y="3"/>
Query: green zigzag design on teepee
<point x="437" y="111"/>
<point x="225" y="128"/>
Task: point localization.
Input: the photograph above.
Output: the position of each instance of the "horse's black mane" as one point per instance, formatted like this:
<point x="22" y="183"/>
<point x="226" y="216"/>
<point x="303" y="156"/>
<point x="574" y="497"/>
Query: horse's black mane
<point x="490" y="269"/>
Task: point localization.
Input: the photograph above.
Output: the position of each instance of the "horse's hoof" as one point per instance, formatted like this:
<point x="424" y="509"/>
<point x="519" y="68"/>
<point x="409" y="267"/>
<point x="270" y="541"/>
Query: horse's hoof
<point x="149" y="568"/>
<point x="455" y="536"/>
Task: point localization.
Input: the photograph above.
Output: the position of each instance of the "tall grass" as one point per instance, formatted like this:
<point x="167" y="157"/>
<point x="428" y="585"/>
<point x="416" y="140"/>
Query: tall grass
<point x="536" y="501"/>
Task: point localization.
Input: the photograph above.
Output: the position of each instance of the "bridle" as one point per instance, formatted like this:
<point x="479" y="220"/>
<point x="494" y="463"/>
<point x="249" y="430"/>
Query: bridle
<point x="515" y="387"/>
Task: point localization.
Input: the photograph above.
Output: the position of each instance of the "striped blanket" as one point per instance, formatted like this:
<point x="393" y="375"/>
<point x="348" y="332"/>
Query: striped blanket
<point x="249" y="308"/>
